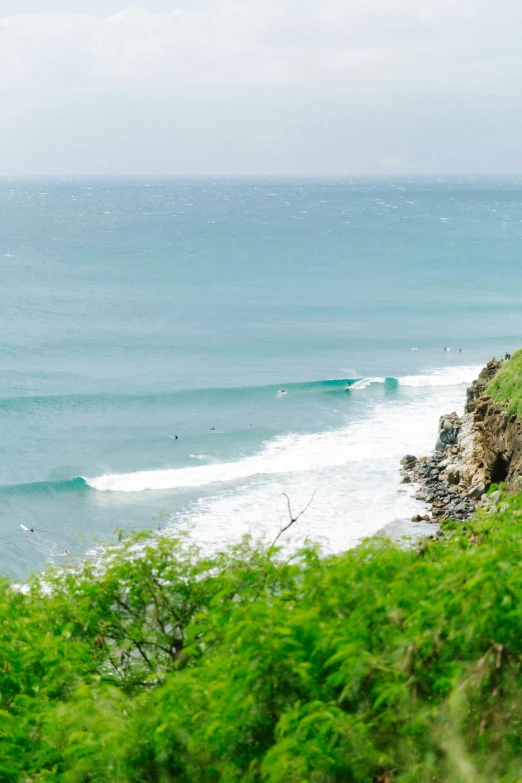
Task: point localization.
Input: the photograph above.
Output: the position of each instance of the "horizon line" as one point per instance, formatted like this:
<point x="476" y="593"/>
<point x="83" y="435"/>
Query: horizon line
<point x="281" y="175"/>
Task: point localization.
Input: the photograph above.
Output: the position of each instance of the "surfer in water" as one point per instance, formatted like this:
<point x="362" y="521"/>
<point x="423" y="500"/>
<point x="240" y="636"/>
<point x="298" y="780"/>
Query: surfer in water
<point x="27" y="529"/>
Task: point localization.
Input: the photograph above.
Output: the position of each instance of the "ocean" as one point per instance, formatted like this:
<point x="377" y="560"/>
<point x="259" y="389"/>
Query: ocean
<point x="183" y="353"/>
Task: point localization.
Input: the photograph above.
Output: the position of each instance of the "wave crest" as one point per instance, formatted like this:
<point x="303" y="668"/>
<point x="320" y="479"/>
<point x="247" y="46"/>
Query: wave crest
<point x="448" y="376"/>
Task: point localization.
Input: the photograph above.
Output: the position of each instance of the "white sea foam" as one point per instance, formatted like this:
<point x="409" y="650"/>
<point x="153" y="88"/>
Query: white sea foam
<point x="357" y="490"/>
<point x="448" y="376"/>
<point x="285" y="454"/>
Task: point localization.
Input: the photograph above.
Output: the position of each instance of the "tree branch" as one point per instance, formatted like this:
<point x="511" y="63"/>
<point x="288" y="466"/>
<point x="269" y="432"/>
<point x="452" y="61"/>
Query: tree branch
<point x="292" y="518"/>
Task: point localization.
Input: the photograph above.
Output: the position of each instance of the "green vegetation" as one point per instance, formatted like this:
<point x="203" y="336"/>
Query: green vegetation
<point x="382" y="664"/>
<point x="506" y="386"/>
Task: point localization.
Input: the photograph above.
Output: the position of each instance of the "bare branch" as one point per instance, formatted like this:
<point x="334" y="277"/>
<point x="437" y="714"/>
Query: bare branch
<point x="292" y="518"/>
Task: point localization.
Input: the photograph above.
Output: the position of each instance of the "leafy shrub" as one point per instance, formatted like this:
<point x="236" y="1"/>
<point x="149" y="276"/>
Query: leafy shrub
<point x="380" y="664"/>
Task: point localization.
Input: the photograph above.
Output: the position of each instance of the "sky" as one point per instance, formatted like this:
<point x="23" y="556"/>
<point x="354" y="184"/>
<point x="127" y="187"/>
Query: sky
<point x="267" y="87"/>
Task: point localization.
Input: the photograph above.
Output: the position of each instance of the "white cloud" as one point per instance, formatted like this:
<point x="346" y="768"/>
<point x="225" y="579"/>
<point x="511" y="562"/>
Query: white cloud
<point x="243" y="85"/>
<point x="226" y="44"/>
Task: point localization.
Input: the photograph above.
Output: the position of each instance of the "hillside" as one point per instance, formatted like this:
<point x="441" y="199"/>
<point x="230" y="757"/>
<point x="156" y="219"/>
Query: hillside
<point x="505" y="387"/>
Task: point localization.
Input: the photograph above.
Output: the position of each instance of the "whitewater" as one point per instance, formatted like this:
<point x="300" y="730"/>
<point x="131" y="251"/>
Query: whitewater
<point x="392" y="429"/>
<point x="350" y="473"/>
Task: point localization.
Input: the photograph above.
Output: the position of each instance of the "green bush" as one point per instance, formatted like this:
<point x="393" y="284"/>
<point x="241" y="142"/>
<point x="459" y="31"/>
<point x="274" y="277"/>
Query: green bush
<point x="506" y="386"/>
<point x="380" y="664"/>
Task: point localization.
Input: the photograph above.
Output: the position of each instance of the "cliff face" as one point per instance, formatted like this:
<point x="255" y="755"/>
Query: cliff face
<point x="497" y="434"/>
<point x="478" y="387"/>
<point x="482" y="447"/>
<point x="489" y="437"/>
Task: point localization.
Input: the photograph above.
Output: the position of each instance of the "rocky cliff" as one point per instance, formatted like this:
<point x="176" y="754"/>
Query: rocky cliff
<point x="496" y="453"/>
<point x="482" y="447"/>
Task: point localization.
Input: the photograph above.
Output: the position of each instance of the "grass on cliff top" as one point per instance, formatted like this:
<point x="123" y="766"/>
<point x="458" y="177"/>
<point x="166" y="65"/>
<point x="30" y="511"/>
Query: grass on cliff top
<point x="506" y="386"/>
<point x="380" y="665"/>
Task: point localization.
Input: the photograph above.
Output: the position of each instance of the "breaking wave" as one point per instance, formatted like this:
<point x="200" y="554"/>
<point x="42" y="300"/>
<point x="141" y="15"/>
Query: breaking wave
<point x="290" y="453"/>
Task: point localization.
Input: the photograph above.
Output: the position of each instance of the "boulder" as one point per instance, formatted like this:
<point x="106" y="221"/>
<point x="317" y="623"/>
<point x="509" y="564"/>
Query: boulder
<point x="448" y="432"/>
<point x="476" y="492"/>
<point x="468" y="471"/>
<point x="446" y="438"/>
<point x="408" y="460"/>
<point x="453" y="473"/>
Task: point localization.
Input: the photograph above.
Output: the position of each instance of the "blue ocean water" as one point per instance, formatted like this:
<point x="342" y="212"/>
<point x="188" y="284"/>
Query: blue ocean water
<point x="133" y="311"/>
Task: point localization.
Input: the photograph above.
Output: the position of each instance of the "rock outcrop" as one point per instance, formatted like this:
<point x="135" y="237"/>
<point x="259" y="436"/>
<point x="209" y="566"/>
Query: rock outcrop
<point x="497" y="444"/>
<point x="478" y="387"/>
<point x="482" y="447"/>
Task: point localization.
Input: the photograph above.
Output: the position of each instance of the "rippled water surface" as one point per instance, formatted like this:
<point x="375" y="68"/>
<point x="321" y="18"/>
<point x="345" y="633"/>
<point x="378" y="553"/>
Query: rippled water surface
<point x="269" y="325"/>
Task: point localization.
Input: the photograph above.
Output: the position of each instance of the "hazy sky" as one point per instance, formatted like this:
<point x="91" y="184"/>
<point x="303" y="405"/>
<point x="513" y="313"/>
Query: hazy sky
<point x="260" y="86"/>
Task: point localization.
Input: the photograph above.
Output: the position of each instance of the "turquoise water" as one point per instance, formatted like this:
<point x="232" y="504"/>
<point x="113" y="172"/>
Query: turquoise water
<point x="133" y="311"/>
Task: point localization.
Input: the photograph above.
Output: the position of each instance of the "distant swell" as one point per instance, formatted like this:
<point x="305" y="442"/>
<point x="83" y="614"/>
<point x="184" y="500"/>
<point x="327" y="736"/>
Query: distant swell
<point x="448" y="376"/>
